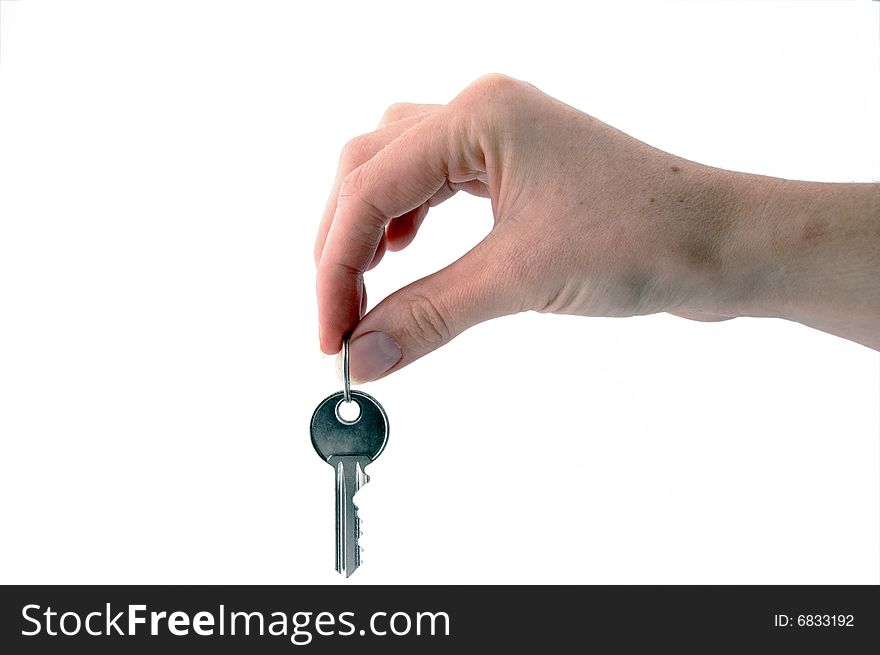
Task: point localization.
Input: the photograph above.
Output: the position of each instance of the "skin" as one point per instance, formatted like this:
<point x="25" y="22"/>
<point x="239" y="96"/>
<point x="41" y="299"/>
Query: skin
<point x="588" y="221"/>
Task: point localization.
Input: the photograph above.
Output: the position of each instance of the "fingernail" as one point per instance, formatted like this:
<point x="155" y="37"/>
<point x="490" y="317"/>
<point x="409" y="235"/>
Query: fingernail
<point x="372" y="354"/>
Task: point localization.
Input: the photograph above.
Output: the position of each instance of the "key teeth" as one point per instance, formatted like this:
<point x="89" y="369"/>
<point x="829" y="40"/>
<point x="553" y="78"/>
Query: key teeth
<point x="359" y="523"/>
<point x="362" y="479"/>
<point x="351" y="482"/>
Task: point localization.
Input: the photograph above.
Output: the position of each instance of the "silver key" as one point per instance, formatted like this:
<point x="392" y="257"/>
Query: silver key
<point x="349" y="446"/>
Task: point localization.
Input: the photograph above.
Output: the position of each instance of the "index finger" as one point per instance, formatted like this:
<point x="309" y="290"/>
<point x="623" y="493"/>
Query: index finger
<point x="399" y="178"/>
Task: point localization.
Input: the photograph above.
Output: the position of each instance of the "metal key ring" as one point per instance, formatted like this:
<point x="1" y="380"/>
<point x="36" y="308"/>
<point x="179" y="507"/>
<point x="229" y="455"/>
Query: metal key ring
<point x="345" y="375"/>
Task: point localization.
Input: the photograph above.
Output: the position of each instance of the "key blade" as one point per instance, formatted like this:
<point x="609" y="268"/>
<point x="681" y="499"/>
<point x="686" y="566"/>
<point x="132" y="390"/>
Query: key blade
<point x="350" y="477"/>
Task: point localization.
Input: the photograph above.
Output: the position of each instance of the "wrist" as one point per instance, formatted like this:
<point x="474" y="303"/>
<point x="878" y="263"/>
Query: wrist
<point x="755" y="265"/>
<point x="718" y="261"/>
<point x="802" y="251"/>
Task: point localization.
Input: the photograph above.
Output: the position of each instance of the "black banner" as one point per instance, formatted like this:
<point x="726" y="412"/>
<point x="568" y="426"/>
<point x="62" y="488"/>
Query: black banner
<point x="279" y="619"/>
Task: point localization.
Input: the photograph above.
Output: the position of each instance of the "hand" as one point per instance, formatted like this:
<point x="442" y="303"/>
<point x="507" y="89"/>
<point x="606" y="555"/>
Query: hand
<point x="588" y="221"/>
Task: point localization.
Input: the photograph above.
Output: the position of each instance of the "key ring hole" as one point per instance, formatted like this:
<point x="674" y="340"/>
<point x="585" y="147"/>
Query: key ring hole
<point x="348" y="412"/>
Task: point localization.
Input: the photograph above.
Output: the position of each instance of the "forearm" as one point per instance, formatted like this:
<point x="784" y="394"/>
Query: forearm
<point x="809" y="252"/>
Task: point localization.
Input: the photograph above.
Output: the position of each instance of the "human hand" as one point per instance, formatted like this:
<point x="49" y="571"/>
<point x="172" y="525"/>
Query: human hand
<point x="588" y="221"/>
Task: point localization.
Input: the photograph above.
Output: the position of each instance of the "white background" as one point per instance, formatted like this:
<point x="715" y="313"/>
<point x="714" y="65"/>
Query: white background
<point x="163" y="166"/>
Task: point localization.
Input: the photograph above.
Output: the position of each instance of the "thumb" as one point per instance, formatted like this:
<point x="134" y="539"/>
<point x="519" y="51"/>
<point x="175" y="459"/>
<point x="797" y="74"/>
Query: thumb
<point x="430" y="312"/>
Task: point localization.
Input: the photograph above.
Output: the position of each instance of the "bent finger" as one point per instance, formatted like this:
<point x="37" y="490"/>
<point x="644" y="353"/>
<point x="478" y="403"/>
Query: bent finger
<point x="405" y="174"/>
<point x="355" y="152"/>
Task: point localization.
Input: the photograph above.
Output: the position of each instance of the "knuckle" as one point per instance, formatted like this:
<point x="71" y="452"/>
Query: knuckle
<point x="428" y="326"/>
<point x="395" y="112"/>
<point x="356" y="190"/>
<point x="493" y="97"/>
<point x="352" y="183"/>
<point x="355" y="151"/>
<point x="495" y="84"/>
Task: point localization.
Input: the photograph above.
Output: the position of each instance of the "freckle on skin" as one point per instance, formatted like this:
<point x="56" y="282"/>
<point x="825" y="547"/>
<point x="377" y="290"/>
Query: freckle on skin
<point x="815" y="230"/>
<point x="675" y="169"/>
<point x="652" y="200"/>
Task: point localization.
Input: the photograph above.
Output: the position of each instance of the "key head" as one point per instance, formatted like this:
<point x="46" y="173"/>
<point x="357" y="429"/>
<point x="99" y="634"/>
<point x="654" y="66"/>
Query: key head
<point x="333" y="436"/>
